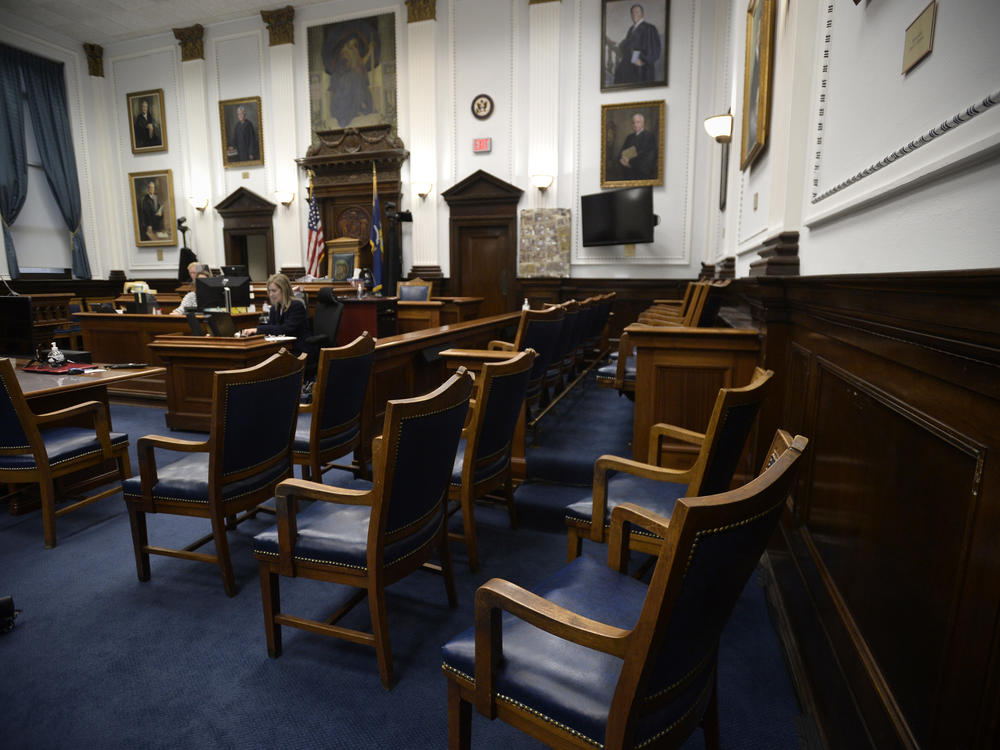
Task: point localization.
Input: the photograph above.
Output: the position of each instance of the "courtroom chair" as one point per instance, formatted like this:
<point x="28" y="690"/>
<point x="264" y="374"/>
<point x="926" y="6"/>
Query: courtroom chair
<point x="560" y="372"/>
<point x="538" y="330"/>
<point x="482" y="462"/>
<point x="652" y="486"/>
<point x="372" y="538"/>
<point x="594" y="337"/>
<point x="72" y="331"/>
<point x="334" y="427"/>
<point x="39" y="448"/>
<point x="248" y="451"/>
<point x="325" y="324"/>
<point x="591" y="657"/>
<point x="103" y="307"/>
<point x="414" y="290"/>
<point x="620" y="372"/>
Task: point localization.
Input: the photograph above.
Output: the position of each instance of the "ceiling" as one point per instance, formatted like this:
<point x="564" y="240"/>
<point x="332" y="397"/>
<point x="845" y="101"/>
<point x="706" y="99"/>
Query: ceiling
<point x="107" y="21"/>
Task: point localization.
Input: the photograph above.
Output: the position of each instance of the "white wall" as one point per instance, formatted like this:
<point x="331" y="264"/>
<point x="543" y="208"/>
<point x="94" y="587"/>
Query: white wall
<point x="931" y="209"/>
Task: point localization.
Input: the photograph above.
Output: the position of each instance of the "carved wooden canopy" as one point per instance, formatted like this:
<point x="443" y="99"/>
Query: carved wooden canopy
<point x="345" y="157"/>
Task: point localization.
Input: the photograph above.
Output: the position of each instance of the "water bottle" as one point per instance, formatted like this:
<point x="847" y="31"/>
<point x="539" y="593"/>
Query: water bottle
<point x="525" y="306"/>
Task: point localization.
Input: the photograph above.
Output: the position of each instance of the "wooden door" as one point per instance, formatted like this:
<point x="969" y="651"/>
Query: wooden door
<point x="487" y="256"/>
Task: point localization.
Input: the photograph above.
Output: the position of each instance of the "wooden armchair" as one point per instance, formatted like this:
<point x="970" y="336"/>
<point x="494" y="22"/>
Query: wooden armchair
<point x="619" y="373"/>
<point x="651" y="486"/>
<point x="248" y="451"/>
<point x="334" y="426"/>
<point x="539" y="330"/>
<point x="414" y="290"/>
<point x="594" y="658"/>
<point x="482" y="463"/>
<point x="38" y="448"/>
<point x="370" y="538"/>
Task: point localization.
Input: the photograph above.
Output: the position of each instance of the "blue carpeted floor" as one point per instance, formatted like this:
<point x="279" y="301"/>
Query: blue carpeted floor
<point x="98" y="659"/>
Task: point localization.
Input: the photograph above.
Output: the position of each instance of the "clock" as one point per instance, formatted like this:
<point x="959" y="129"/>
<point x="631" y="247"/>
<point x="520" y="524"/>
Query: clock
<point x="482" y="107"/>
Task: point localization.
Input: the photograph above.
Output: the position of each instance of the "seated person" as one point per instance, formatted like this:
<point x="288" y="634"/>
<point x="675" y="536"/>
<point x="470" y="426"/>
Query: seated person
<point x="288" y="316"/>
<point x="190" y="300"/>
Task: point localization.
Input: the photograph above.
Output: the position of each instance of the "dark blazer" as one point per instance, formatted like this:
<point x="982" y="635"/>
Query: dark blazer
<point x="292" y="321"/>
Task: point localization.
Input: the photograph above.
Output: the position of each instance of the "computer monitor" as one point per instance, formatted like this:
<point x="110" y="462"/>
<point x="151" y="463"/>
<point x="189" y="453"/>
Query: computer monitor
<point x="16" y="327"/>
<point x="210" y="293"/>
<point x="222" y="324"/>
<point x="235" y="271"/>
<point x="618" y="217"/>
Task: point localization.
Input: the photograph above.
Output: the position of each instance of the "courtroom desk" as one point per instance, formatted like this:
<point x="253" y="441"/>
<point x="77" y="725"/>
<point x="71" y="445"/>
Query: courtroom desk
<point x="191" y="362"/>
<point x="377" y="315"/>
<point x="679" y="371"/>
<point x="47" y="392"/>
<point x="111" y="337"/>
<point x="168" y="301"/>
<point x="458" y="309"/>
<point x="415" y="315"/>
<point x="311" y="288"/>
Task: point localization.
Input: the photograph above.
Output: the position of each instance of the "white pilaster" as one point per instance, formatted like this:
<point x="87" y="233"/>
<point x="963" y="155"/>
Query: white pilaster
<point x="543" y="99"/>
<point x="423" y="141"/>
<point x="289" y="222"/>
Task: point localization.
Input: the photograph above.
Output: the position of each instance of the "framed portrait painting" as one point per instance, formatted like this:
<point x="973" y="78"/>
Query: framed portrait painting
<point x="634" y="39"/>
<point x="632" y="138"/>
<point x="757" y="80"/>
<point x="242" y="132"/>
<point x="147" y="124"/>
<point x="153" y="213"/>
<point x="352" y="73"/>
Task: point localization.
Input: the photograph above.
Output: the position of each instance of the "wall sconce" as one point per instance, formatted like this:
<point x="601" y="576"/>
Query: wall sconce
<point x="423" y="189"/>
<point x="199" y="202"/>
<point x="542" y="181"/>
<point x="284" y="197"/>
<point x="720" y="127"/>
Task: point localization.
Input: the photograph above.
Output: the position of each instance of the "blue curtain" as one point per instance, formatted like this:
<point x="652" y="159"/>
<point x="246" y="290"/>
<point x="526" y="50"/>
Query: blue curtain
<point x="45" y="85"/>
<point x="13" y="154"/>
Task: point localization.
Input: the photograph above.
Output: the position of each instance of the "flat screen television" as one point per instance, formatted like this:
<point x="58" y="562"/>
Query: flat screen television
<point x="618" y="217"/>
<point x="235" y="271"/>
<point x="210" y="293"/>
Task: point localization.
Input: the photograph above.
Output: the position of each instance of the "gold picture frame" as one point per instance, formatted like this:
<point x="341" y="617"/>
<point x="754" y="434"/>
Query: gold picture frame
<point x="147" y="124"/>
<point x="153" y="215"/>
<point x="242" y="137"/>
<point x="631" y="157"/>
<point x="757" y="80"/>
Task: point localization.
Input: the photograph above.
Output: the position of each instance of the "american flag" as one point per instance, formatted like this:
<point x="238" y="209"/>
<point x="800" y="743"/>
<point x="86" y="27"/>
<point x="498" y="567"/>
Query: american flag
<point x="314" y="247"/>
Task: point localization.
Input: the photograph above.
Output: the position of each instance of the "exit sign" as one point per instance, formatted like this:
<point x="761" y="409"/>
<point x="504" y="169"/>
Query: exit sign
<point x="482" y="145"/>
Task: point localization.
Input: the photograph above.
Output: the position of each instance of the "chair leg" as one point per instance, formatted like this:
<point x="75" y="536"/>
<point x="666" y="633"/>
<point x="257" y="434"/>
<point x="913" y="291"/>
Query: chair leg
<point x="469" y="528"/>
<point x="459" y="719"/>
<point x="219" y="526"/>
<point x="380" y="629"/>
<point x="48" y="493"/>
<point x="270" y="594"/>
<point x="509" y="493"/>
<point x="446" y="570"/>
<point x="575" y="543"/>
<point x="140" y="540"/>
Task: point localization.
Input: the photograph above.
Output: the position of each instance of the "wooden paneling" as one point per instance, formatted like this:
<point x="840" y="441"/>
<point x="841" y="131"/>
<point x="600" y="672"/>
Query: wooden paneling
<point x="893" y="536"/>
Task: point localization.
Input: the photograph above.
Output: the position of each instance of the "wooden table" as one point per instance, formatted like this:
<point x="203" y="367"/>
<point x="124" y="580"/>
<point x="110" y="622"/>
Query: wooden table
<point x="415" y="315"/>
<point x="111" y="337"/>
<point x="191" y="362"/>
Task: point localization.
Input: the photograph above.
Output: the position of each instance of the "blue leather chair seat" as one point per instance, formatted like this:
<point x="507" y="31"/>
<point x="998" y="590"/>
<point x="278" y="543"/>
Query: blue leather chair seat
<point x="338" y="535"/>
<point x="565" y="683"/>
<point x="62" y="444"/>
<point x="656" y="496"/>
<point x="186" y="480"/>
<point x="483" y="473"/>
<point x="303" y="427"/>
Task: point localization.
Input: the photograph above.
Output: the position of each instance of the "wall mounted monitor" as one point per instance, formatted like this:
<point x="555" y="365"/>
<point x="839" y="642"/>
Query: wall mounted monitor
<point x="618" y="217"/>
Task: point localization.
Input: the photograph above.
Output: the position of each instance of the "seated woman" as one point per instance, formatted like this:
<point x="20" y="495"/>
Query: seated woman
<point x="190" y="300"/>
<point x="287" y="317"/>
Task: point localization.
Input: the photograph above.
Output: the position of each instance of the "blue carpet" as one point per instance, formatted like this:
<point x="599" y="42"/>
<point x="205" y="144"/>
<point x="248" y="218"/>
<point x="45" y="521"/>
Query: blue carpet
<point x="99" y="659"/>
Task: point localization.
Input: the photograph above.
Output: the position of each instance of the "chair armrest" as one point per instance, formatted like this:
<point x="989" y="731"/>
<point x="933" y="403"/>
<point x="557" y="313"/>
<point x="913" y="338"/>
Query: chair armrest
<point x="606" y="464"/>
<point x="94" y="409"/>
<point x="306" y="408"/>
<point x="498" y="595"/>
<point x="147" y="458"/>
<point x="662" y="430"/>
<point x="495" y="345"/>
<point x="618" y="540"/>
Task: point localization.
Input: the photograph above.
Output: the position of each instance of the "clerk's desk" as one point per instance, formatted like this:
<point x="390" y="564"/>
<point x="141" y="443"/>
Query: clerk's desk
<point x="47" y="392"/>
<point x="112" y="337"/>
<point x="414" y="315"/>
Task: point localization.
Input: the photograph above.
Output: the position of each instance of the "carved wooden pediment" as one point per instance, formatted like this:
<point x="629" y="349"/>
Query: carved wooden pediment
<point x="480" y="187"/>
<point x="243" y="201"/>
<point x="345" y="157"/>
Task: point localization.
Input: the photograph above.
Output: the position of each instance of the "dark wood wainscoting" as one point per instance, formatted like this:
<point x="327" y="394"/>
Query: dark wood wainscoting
<point x="888" y="565"/>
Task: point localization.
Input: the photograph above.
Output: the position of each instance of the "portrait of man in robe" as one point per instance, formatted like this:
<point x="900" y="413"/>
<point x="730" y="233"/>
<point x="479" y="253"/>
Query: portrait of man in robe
<point x="634" y="43"/>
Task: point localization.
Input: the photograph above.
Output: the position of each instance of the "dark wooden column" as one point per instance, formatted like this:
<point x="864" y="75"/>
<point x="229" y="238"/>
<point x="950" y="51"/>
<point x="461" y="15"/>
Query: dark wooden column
<point x="483" y="240"/>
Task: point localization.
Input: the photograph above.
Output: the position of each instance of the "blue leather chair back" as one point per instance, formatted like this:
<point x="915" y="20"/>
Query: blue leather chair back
<point x="503" y="402"/>
<point x="735" y="426"/>
<point x="542" y="335"/>
<point x="257" y="416"/>
<point x="420" y="449"/>
<point x="346" y="386"/>
<point x="12" y="434"/>
<point x="414" y="293"/>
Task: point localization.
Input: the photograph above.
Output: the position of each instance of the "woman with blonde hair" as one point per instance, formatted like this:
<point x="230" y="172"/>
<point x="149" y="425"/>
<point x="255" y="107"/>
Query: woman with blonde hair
<point x="288" y="315"/>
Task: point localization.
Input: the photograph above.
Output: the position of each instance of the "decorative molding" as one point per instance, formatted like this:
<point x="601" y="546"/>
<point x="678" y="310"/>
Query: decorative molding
<point x="345" y="157"/>
<point x="280" y="25"/>
<point x="95" y="59"/>
<point x="779" y="256"/>
<point x="726" y="268"/>
<point x="421" y="10"/>
<point x="707" y="272"/>
<point x="948" y="125"/>
<point x="823" y="89"/>
<point x="426" y="272"/>
<point x="192" y="41"/>
<point x="540" y="2"/>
